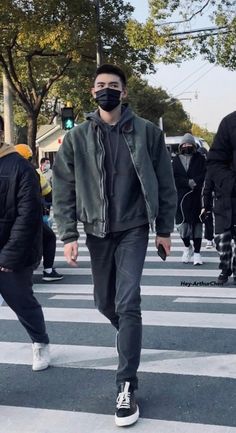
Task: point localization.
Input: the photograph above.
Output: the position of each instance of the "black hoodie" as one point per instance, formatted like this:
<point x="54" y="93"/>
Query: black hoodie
<point x="126" y="205"/>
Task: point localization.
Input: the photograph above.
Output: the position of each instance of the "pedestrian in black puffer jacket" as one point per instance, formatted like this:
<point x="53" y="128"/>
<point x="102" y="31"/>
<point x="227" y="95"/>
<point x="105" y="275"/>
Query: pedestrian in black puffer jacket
<point x="189" y="172"/>
<point x="221" y="169"/>
<point x="20" y="213"/>
<point x="21" y="245"/>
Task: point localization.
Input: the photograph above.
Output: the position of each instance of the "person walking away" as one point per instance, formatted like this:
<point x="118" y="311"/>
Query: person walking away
<point x="207" y="211"/>
<point x="189" y="168"/>
<point x="49" y="237"/>
<point x="21" y="245"/>
<point x="221" y="169"/>
<point x="208" y="217"/>
<point x="113" y="173"/>
<point x="209" y="231"/>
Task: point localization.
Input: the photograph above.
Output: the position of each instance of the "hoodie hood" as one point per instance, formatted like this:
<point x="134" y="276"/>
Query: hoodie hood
<point x="187" y="139"/>
<point x="125" y="119"/>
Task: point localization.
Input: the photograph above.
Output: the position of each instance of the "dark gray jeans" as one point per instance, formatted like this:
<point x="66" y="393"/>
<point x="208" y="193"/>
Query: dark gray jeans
<point x="117" y="264"/>
<point x="16" y="290"/>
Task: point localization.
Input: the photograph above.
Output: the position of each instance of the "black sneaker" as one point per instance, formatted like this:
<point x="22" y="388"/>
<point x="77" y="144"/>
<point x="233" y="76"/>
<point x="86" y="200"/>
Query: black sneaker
<point x="223" y="277"/>
<point x="127" y="411"/>
<point x="52" y="276"/>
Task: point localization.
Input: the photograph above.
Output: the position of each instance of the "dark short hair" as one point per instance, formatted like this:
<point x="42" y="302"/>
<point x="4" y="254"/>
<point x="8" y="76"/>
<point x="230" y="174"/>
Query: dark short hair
<point x="1" y="124"/>
<point x="43" y="160"/>
<point x="111" y="69"/>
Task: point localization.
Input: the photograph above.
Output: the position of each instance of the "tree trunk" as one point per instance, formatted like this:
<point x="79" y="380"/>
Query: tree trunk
<point x="31" y="134"/>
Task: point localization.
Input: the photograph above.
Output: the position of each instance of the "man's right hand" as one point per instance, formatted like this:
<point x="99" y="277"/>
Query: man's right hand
<point x="71" y="253"/>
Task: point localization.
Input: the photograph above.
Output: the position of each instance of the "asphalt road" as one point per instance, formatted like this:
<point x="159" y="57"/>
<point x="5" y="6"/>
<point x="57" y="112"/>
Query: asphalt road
<point x="187" y="374"/>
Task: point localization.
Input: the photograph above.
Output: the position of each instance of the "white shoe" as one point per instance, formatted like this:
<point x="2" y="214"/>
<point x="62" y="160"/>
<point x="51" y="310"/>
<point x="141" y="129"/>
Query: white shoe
<point x="41" y="356"/>
<point x="197" y="259"/>
<point x="209" y="245"/>
<point x="187" y="254"/>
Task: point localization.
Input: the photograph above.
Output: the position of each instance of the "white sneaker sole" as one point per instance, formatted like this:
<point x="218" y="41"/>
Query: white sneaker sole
<point x="51" y="278"/>
<point x="127" y="420"/>
<point x="40" y="367"/>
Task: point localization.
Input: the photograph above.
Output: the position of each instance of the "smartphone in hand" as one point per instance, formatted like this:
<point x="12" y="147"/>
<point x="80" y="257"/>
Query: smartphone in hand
<point x="161" y="252"/>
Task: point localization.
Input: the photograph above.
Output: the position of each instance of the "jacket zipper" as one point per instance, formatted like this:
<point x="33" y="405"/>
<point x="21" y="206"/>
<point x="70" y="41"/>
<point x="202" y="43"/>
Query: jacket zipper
<point x="151" y="220"/>
<point x="103" y="232"/>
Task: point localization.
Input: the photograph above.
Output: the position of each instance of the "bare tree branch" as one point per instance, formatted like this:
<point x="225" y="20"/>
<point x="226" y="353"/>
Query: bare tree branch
<point x="187" y="19"/>
<point x="31" y="79"/>
<point x="50" y="82"/>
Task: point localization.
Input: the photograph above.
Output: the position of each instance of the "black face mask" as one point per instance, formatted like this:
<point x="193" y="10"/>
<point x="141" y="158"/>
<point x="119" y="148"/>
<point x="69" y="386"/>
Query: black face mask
<point x="187" y="150"/>
<point x="108" y="99"/>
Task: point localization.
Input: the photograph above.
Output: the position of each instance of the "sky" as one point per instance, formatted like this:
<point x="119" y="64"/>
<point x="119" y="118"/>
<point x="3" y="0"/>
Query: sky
<point x="207" y="92"/>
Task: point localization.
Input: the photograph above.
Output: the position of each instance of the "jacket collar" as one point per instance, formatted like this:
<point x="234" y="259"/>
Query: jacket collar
<point x="6" y="149"/>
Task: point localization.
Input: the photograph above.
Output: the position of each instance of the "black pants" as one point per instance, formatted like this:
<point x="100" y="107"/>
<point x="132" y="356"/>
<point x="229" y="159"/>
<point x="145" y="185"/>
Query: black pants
<point x="16" y="290"/>
<point x="209" y="228"/>
<point x="117" y="264"/>
<point x="197" y="242"/>
<point x="49" y="246"/>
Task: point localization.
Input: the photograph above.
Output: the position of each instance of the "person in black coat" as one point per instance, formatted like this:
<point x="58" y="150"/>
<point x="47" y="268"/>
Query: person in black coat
<point x="189" y="168"/>
<point x="221" y="169"/>
<point x="21" y="245"/>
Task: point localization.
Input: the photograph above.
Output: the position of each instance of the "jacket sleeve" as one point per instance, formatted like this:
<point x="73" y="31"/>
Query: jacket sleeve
<point x="207" y="193"/>
<point x="64" y="194"/>
<point x="167" y="190"/>
<point x="27" y="221"/>
<point x="220" y="156"/>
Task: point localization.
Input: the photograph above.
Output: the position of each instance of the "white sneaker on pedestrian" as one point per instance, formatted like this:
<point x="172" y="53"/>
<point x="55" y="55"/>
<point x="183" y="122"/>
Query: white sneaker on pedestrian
<point x="187" y="254"/>
<point x="41" y="356"/>
<point x="197" y="259"/>
<point x="209" y="245"/>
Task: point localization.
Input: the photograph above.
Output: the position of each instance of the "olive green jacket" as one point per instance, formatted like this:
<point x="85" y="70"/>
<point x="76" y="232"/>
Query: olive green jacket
<point x="79" y="192"/>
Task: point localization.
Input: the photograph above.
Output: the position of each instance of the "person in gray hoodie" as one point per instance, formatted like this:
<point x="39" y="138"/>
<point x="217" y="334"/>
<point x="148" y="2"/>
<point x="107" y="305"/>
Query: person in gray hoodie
<point x="113" y="173"/>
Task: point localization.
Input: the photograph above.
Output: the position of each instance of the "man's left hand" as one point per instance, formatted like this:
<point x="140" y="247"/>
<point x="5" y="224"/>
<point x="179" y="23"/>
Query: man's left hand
<point x="2" y="269"/>
<point x="165" y="242"/>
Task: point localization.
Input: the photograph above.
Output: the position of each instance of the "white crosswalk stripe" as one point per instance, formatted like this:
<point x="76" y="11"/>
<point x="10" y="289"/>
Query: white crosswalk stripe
<point x="152" y="361"/>
<point x="70" y="303"/>
<point x="151" y="318"/>
<point x="71" y="422"/>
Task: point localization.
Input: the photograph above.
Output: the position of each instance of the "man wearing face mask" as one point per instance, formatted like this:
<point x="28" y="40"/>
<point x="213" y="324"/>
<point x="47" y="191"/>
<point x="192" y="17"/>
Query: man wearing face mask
<point x="113" y="173"/>
<point x="45" y="168"/>
<point x="189" y="168"/>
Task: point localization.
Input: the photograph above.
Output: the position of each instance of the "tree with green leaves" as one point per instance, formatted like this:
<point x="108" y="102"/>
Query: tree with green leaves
<point x="198" y="131"/>
<point x="169" y="31"/>
<point x="45" y="40"/>
<point x="152" y="103"/>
